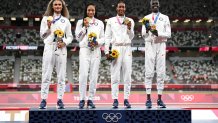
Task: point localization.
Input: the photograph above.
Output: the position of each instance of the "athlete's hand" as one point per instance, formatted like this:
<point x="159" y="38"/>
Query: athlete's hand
<point x="49" y="24"/>
<point x="148" y="29"/>
<point x="61" y="44"/>
<point x="86" y="22"/>
<point x="154" y="33"/>
<point x="129" y="25"/>
<point x="107" y="56"/>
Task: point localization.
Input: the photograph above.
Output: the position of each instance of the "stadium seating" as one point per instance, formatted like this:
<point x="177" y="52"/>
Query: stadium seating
<point x="31" y="70"/>
<point x="194" y="71"/>
<point x="6" y="69"/>
<point x="175" y="8"/>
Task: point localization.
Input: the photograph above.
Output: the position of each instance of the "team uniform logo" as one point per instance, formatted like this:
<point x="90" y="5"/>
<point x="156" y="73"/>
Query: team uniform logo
<point x="161" y="19"/>
<point x="95" y="24"/>
<point x="62" y="21"/>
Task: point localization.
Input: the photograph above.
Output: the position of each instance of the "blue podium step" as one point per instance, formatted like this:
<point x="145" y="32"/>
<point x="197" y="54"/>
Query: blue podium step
<point x="110" y="115"/>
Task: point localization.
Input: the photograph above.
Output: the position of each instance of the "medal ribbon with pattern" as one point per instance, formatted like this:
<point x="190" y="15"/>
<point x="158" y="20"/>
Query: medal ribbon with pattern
<point x="55" y="20"/>
<point x="156" y="18"/>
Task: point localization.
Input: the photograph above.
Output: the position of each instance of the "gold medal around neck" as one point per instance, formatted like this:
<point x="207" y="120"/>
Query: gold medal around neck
<point x="153" y="27"/>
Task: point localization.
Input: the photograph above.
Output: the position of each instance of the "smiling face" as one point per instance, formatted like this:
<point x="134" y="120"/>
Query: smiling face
<point x="155" y="6"/>
<point x="57" y="6"/>
<point x="90" y="11"/>
<point x="121" y="8"/>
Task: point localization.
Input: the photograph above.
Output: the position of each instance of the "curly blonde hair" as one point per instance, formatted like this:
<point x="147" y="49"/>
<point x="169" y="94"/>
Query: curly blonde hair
<point x="50" y="11"/>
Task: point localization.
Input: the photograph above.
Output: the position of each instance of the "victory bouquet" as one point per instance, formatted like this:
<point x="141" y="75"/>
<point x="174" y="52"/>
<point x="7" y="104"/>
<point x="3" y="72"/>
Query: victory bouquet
<point x="92" y="43"/>
<point x="145" y="21"/>
<point x="114" y="54"/>
<point x="59" y="34"/>
<point x="149" y="27"/>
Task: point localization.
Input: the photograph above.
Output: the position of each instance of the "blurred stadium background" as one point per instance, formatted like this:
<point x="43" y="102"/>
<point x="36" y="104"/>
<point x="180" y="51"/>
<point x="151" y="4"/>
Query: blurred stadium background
<point x="192" y="52"/>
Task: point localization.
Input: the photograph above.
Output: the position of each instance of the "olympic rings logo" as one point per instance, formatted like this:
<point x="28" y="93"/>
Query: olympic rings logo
<point x="111" y="117"/>
<point x="187" y="97"/>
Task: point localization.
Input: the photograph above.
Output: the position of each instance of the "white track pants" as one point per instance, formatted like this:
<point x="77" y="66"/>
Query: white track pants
<point x="155" y="56"/>
<point x="123" y="65"/>
<point x="49" y="60"/>
<point x="89" y="62"/>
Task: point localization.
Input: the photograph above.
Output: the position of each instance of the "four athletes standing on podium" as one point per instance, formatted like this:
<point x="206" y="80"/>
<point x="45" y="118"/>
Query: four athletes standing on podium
<point x="90" y="34"/>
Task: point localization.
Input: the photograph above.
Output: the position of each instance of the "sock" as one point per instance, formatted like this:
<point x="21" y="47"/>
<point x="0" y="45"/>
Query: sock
<point x="159" y="91"/>
<point x="148" y="90"/>
<point x="159" y="96"/>
<point x="148" y="96"/>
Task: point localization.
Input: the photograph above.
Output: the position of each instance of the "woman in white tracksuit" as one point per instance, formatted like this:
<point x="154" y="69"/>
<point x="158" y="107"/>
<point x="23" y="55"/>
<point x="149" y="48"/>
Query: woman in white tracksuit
<point x="89" y="60"/>
<point x="55" y="52"/>
<point x="119" y="35"/>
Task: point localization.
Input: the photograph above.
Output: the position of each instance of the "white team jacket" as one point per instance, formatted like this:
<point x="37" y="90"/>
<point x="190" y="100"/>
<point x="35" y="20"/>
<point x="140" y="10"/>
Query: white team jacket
<point x="163" y="27"/>
<point x="82" y="34"/>
<point x="48" y="35"/>
<point x="116" y="33"/>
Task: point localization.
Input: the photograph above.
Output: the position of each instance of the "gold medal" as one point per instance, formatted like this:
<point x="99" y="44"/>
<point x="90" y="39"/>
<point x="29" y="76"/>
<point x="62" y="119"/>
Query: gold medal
<point x="126" y="21"/>
<point x="50" y="18"/>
